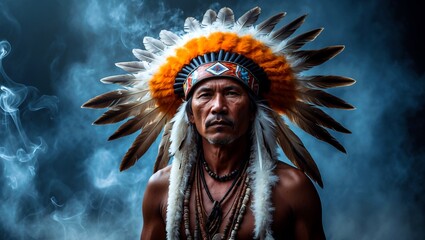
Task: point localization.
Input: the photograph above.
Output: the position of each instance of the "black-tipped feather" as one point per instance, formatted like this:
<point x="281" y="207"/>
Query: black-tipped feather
<point x="113" y="98"/>
<point x="268" y="25"/>
<point x="294" y="149"/>
<point x="319" y="117"/>
<point x="142" y="143"/>
<point x="249" y="18"/>
<point x="145" y="139"/>
<point x="300" y="40"/>
<point x="326" y="81"/>
<point x="287" y="30"/>
<point x="324" y="99"/>
<point x="123" y="80"/>
<point x="136" y="123"/>
<point x="163" y="156"/>
<point x="311" y="58"/>
<point x="266" y="146"/>
<point x="123" y="111"/>
<point x="312" y="128"/>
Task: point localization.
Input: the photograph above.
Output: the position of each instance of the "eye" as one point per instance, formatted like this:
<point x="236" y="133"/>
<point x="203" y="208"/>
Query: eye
<point x="233" y="93"/>
<point x="204" y="95"/>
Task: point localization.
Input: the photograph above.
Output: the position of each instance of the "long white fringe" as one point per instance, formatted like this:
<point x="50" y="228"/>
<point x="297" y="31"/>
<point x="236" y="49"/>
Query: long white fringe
<point x="262" y="172"/>
<point x="180" y="170"/>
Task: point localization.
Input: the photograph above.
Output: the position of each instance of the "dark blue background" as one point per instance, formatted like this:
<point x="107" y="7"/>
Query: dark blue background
<point x="60" y="177"/>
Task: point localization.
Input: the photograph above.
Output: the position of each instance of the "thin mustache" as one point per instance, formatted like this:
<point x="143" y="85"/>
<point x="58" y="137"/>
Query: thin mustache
<point x="221" y="120"/>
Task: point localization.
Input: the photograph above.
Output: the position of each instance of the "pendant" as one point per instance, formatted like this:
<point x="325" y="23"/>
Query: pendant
<point x="214" y="219"/>
<point x="218" y="236"/>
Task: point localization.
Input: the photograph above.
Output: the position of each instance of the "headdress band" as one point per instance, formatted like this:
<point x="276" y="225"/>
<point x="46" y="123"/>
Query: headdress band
<point x="221" y="70"/>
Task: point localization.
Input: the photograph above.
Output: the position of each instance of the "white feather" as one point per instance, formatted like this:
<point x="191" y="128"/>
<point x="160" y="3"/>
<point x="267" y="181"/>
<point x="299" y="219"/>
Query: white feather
<point x="262" y="172"/>
<point x="144" y="55"/>
<point x="225" y="17"/>
<point x="180" y="170"/>
<point x="169" y="38"/>
<point x="153" y="45"/>
<point x="191" y="25"/>
<point x="132" y="67"/>
<point x="209" y="18"/>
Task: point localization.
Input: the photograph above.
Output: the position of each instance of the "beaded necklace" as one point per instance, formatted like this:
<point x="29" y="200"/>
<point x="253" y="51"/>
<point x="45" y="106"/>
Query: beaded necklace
<point x="210" y="228"/>
<point x="223" y="178"/>
<point x="214" y="218"/>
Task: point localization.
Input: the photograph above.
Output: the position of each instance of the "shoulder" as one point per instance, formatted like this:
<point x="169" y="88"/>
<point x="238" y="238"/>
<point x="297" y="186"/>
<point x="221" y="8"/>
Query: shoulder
<point x="294" y="187"/>
<point x="158" y="182"/>
<point x="154" y="205"/>
<point x="156" y="194"/>
<point x="291" y="178"/>
<point x="157" y="188"/>
<point x="297" y="205"/>
<point x="161" y="177"/>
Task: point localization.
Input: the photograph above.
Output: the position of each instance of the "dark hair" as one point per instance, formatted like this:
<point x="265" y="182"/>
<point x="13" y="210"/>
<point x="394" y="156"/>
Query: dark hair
<point x="188" y="109"/>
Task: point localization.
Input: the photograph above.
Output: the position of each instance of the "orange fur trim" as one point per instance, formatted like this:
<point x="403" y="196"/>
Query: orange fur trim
<point x="280" y="96"/>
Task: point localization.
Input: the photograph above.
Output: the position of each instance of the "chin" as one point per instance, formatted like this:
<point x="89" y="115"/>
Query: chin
<point x="221" y="140"/>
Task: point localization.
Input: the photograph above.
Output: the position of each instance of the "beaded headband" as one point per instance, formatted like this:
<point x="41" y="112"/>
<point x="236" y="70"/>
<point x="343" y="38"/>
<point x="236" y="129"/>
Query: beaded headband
<point x="221" y="70"/>
<point x="228" y="65"/>
<point x="267" y="61"/>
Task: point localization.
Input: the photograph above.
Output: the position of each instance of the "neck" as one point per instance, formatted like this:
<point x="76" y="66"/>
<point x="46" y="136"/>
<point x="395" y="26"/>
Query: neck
<point x="223" y="159"/>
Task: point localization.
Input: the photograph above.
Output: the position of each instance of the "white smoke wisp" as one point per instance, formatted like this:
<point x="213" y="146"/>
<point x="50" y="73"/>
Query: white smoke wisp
<point x="103" y="202"/>
<point x="18" y="152"/>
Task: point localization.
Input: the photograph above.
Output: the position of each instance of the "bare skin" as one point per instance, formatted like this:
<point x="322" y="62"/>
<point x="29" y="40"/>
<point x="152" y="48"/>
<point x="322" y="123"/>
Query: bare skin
<point x="222" y="116"/>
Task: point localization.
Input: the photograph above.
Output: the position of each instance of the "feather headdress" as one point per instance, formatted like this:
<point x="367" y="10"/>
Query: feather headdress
<point x="267" y="60"/>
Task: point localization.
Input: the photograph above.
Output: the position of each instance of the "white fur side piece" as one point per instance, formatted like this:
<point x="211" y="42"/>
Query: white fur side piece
<point x="180" y="171"/>
<point x="180" y="128"/>
<point x="263" y="179"/>
<point x="175" y="196"/>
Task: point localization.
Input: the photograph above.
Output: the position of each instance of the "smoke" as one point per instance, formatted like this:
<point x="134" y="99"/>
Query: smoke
<point x="60" y="177"/>
<point x="19" y="153"/>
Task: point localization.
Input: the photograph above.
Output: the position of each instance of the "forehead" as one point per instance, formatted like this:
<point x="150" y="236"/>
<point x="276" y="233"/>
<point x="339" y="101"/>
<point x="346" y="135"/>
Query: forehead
<point x="218" y="84"/>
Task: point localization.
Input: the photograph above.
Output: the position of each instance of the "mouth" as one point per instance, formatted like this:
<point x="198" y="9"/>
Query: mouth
<point x="219" y="123"/>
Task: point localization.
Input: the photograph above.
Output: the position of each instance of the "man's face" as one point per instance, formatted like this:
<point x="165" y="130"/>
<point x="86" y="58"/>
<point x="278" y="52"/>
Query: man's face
<point x="221" y="110"/>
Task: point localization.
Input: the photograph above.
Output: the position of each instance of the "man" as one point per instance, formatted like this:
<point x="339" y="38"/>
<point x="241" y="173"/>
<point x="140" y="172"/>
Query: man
<point x="218" y="93"/>
<point x="223" y="117"/>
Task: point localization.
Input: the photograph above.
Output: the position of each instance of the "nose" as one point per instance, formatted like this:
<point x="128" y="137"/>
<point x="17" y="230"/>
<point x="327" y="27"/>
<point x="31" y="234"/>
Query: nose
<point x="219" y="105"/>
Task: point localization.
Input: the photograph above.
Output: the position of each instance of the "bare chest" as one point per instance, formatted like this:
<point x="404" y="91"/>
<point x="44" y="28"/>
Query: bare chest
<point x="241" y="223"/>
<point x="237" y="219"/>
